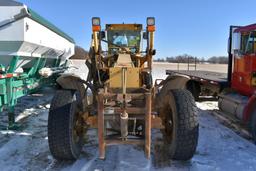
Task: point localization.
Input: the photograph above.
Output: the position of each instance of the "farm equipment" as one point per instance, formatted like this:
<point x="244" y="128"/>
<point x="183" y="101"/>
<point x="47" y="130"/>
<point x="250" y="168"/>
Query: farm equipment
<point x="119" y="98"/>
<point x="27" y="57"/>
<point x="236" y="89"/>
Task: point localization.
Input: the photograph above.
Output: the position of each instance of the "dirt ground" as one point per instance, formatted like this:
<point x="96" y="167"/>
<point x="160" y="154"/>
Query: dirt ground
<point x="219" y="148"/>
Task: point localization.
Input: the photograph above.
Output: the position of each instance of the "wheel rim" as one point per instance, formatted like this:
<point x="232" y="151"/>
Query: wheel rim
<point x="169" y="126"/>
<point x="77" y="128"/>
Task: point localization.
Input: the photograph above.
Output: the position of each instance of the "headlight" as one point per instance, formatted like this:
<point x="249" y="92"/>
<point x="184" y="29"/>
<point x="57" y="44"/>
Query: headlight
<point x="150" y="21"/>
<point x="96" y="21"/>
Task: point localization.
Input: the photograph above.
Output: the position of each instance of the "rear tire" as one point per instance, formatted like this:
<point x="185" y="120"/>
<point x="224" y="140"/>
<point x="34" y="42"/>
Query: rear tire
<point x="65" y="131"/>
<point x="181" y="124"/>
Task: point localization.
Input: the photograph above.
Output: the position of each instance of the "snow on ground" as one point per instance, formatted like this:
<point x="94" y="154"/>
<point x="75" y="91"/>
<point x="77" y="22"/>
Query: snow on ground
<point x="219" y="148"/>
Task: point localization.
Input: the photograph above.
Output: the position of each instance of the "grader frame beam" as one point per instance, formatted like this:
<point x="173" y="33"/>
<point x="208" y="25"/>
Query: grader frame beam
<point x="101" y="126"/>
<point x="92" y="121"/>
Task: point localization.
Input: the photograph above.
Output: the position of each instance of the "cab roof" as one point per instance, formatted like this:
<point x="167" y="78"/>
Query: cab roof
<point x="134" y="27"/>
<point x="248" y="28"/>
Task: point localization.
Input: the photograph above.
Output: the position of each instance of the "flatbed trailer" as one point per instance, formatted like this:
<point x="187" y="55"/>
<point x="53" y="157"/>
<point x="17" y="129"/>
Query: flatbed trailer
<point x="209" y="76"/>
<point x="210" y="79"/>
<point x="203" y="82"/>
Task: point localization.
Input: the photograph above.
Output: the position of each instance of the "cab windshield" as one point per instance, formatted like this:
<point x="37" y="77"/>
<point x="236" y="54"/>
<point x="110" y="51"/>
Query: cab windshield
<point x="124" y="38"/>
<point x="248" y="42"/>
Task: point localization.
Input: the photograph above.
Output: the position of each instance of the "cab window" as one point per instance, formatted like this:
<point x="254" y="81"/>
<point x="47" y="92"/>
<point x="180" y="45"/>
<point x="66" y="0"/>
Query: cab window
<point x="125" y="38"/>
<point x="248" y="43"/>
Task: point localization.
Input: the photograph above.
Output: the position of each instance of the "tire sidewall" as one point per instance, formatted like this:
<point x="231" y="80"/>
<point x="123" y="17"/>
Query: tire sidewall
<point x="75" y="107"/>
<point x="185" y="129"/>
<point x="170" y="106"/>
<point x="62" y="114"/>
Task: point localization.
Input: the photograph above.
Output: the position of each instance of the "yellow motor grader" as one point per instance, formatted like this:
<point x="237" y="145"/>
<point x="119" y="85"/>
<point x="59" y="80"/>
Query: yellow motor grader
<point x="120" y="100"/>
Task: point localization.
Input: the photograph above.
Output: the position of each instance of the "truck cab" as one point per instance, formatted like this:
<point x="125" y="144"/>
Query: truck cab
<point x="244" y="59"/>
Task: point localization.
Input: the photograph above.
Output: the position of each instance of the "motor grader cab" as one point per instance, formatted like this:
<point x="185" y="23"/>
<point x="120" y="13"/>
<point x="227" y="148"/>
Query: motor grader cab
<point x="124" y="56"/>
<point x="120" y="100"/>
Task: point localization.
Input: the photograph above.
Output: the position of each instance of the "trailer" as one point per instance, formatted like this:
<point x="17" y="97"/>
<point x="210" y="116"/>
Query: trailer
<point x="32" y="52"/>
<point x="236" y="90"/>
<point x="202" y="83"/>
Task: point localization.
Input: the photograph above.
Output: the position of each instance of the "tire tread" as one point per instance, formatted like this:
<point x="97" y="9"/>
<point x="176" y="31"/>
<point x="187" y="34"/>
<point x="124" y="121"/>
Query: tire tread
<point x="59" y="131"/>
<point x="188" y="127"/>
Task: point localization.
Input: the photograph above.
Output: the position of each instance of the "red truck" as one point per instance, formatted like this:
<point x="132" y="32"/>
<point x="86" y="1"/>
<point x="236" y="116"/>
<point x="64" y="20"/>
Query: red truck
<point x="236" y="90"/>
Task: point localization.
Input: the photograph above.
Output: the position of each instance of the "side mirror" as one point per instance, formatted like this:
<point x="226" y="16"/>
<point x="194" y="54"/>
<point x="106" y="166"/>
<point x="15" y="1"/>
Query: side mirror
<point x="145" y="35"/>
<point x="236" y="42"/>
<point x="102" y="34"/>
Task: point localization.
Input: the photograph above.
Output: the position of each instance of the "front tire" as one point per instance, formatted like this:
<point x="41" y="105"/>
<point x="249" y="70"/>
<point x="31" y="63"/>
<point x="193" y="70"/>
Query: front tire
<point x="65" y="130"/>
<point x="181" y="124"/>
